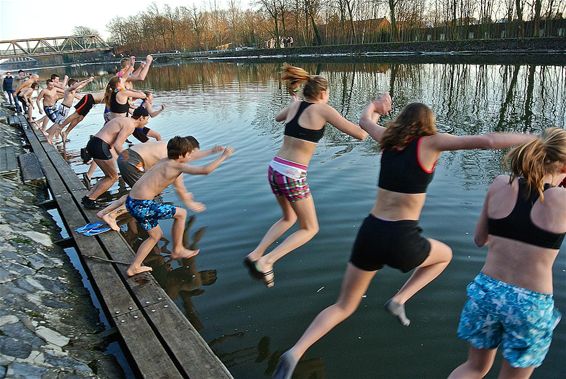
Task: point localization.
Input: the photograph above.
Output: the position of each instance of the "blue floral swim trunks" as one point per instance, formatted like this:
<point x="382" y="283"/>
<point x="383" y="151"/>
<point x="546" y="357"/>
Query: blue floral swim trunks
<point x="520" y="320"/>
<point x="148" y="212"/>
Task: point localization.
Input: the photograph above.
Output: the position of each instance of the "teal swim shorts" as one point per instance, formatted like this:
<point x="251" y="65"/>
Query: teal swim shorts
<point x="520" y="320"/>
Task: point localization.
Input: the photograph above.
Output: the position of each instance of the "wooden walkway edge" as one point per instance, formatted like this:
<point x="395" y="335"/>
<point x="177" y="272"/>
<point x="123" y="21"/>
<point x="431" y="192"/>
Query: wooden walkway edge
<point x="158" y="337"/>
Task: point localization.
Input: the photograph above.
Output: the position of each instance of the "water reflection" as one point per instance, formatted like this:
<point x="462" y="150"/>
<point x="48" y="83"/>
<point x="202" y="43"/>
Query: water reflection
<point x="247" y="326"/>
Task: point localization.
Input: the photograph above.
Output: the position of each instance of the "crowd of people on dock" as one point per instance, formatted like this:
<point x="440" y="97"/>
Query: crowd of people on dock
<point x="523" y="220"/>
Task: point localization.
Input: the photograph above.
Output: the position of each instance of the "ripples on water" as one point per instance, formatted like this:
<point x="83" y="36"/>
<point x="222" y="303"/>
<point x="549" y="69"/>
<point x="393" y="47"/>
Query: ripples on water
<point x="248" y="325"/>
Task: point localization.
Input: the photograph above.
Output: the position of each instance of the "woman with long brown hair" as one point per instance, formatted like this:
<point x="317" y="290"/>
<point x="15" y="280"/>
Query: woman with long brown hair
<point x="117" y="96"/>
<point x="390" y="235"/>
<point x="510" y="302"/>
<point x="287" y="173"/>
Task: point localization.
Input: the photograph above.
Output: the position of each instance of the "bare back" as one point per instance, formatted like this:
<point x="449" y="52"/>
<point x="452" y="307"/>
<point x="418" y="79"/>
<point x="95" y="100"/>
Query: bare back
<point x="313" y="117"/>
<point x="111" y="130"/>
<point x="518" y="262"/>
<point x="151" y="152"/>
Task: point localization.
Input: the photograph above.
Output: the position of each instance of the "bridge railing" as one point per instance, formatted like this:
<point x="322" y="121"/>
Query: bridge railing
<point x="32" y="47"/>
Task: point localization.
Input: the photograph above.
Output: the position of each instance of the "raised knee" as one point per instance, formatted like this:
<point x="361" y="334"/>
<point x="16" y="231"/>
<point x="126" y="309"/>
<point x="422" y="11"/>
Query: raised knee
<point x="114" y="177"/>
<point x="180" y="213"/>
<point x="313" y="229"/>
<point x="291" y="219"/>
<point x="346" y="310"/>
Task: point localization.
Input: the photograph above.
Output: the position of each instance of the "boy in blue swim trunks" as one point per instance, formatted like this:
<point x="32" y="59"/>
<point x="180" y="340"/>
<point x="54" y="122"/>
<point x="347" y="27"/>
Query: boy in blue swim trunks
<point x="147" y="212"/>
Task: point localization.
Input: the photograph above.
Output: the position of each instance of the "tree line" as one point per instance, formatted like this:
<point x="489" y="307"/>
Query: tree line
<point x="318" y="22"/>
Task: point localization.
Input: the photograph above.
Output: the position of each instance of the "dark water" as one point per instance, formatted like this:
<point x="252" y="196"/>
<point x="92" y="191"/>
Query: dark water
<point x="247" y="325"/>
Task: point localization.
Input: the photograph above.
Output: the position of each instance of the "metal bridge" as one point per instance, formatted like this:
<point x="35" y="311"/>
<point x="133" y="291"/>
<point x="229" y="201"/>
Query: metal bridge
<point x="35" y="47"/>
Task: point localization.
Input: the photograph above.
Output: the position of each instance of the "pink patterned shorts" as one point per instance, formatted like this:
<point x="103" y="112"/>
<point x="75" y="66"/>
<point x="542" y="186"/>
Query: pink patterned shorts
<point x="294" y="187"/>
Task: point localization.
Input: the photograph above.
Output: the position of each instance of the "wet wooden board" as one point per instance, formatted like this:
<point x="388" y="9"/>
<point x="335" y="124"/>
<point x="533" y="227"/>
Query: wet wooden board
<point x="185" y="346"/>
<point x="8" y="161"/>
<point x="143" y="344"/>
<point x="30" y="168"/>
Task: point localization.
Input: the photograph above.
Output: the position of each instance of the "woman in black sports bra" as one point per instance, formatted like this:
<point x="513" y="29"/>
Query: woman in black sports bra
<point x="390" y="235"/>
<point x="287" y="172"/>
<point x="523" y="222"/>
<point x="116" y="98"/>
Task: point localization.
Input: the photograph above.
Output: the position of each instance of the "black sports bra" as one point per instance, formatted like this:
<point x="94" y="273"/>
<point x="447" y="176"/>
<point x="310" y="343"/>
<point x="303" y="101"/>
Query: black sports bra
<point x="116" y="107"/>
<point x="402" y="172"/>
<point x="518" y="225"/>
<point x="293" y="129"/>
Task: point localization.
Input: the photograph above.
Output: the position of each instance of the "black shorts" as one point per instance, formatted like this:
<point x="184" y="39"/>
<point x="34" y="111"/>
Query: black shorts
<point x="141" y="134"/>
<point x="23" y="102"/>
<point x="131" y="166"/>
<point x="98" y="149"/>
<point x="398" y="244"/>
<point x="84" y="105"/>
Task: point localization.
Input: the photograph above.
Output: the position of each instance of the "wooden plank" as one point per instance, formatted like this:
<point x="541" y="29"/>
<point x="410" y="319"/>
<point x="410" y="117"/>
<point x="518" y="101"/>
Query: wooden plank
<point x="146" y="349"/>
<point x="8" y="160"/>
<point x="178" y="334"/>
<point x="192" y="353"/>
<point x="30" y="167"/>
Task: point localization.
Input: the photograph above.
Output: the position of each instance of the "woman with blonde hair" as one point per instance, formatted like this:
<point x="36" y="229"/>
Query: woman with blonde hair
<point x="287" y="173"/>
<point x="390" y="235"/>
<point x="523" y="222"/>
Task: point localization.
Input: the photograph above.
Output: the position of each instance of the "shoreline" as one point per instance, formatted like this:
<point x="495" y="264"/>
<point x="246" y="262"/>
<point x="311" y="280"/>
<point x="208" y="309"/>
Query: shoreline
<point x="49" y="326"/>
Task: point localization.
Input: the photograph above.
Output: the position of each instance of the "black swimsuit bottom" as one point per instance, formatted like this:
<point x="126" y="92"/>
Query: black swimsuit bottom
<point x="98" y="149"/>
<point x="398" y="244"/>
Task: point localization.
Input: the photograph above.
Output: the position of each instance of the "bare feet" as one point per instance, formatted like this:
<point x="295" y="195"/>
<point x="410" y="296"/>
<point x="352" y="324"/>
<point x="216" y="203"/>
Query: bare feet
<point x="111" y="221"/>
<point x="183" y="253"/>
<point x="131" y="271"/>
<point x="397" y="310"/>
<point x="64" y="136"/>
<point x="285" y="366"/>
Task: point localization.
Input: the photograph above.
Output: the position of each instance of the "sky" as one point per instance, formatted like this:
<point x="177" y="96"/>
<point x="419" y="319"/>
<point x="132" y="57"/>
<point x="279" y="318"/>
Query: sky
<point x="43" y="18"/>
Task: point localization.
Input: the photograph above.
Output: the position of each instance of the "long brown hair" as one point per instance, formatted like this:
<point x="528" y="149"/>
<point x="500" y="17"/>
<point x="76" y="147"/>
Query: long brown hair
<point x="533" y="160"/>
<point x="110" y="87"/>
<point x="415" y="120"/>
<point x="295" y="76"/>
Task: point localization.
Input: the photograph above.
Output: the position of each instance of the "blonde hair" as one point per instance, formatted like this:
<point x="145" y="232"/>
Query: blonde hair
<point x="535" y="159"/>
<point x="415" y="120"/>
<point x="110" y="87"/>
<point x="295" y="76"/>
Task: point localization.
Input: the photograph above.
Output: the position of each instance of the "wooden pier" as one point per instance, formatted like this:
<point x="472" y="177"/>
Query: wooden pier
<point x="158" y="338"/>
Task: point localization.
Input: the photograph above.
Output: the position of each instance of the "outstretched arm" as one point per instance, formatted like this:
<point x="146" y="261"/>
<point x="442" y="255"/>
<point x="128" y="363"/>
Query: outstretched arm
<point x="481" y="233"/>
<point x="371" y="115"/>
<point x="447" y="142"/>
<point x="332" y="116"/>
<point x="205" y="153"/>
<point x="141" y="72"/>
<point x="153" y="134"/>
<point x="150" y="110"/>
<point x="187" y="197"/>
<point x="79" y="85"/>
<point x="205" y="170"/>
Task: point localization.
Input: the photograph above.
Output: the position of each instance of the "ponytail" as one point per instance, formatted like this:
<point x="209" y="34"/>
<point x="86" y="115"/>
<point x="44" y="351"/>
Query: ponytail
<point x="296" y="76"/>
<point x="110" y="88"/>
<point x="537" y="158"/>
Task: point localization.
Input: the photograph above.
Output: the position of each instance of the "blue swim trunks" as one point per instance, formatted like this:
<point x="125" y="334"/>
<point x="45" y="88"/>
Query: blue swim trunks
<point x="520" y="320"/>
<point x="148" y="212"/>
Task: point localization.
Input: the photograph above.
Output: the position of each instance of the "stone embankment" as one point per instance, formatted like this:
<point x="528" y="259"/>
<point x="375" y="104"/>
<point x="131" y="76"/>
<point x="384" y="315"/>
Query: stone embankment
<point x="49" y="327"/>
